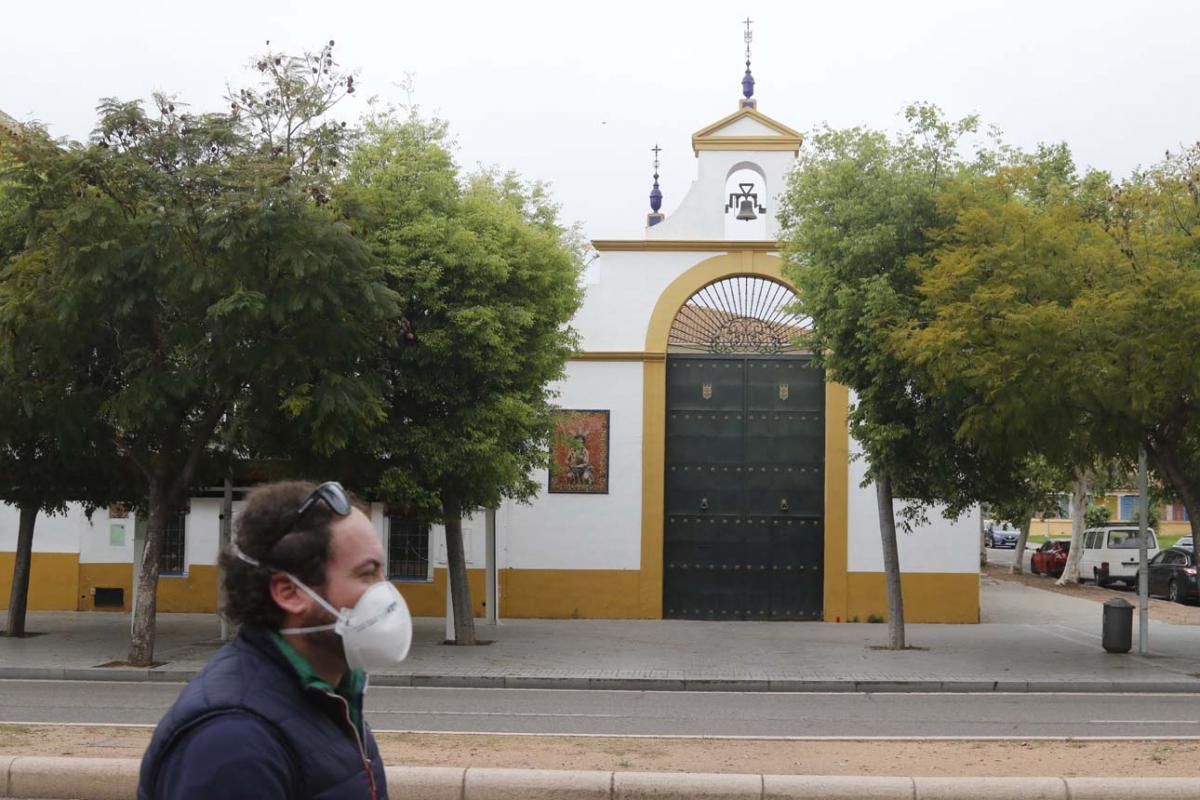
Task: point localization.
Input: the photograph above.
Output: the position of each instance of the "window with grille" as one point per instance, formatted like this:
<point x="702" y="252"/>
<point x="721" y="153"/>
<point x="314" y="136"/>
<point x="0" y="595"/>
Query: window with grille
<point x="170" y="559"/>
<point x="408" y="548"/>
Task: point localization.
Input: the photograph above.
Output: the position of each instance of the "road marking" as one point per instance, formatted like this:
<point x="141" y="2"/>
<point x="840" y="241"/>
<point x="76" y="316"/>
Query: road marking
<point x="1143" y="722"/>
<point x="81" y="724"/>
<point x="405" y="712"/>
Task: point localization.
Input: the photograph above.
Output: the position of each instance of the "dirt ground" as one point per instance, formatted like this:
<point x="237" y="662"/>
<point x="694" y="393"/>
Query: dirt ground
<point x="1160" y="610"/>
<point x="968" y="758"/>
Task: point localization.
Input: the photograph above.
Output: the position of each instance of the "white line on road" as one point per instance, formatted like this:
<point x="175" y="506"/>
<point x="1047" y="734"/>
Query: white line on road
<point x="408" y="713"/>
<point x="1143" y="722"/>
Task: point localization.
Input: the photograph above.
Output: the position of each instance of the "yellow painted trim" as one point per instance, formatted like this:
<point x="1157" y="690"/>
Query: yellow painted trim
<point x="428" y="598"/>
<point x="742" y="113"/>
<point x="751" y="143"/>
<point x="684" y="245"/>
<point x="747" y="261"/>
<point x="654" y="445"/>
<point x="53" y="579"/>
<point x="632" y="355"/>
<point x="928" y="596"/>
<point x="710" y="139"/>
<point x="837" y="498"/>
<point x="654" y="402"/>
<point x="108" y="576"/>
<point x="570" y="594"/>
<point x="193" y="593"/>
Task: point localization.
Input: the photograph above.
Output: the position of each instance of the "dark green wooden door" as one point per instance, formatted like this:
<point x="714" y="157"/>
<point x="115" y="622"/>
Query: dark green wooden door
<point x="744" y="526"/>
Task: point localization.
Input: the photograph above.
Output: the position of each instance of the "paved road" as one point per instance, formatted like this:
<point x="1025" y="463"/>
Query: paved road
<point x="1000" y="555"/>
<point x="669" y="713"/>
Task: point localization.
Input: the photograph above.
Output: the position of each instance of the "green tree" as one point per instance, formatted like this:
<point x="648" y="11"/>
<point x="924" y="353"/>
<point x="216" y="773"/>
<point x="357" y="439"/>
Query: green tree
<point x="490" y="282"/>
<point x="51" y="450"/>
<point x="200" y="268"/>
<point x="1065" y="308"/>
<point x="1151" y="304"/>
<point x="855" y="214"/>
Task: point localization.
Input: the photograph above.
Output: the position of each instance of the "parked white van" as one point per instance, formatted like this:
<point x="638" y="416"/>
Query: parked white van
<point x="1111" y="553"/>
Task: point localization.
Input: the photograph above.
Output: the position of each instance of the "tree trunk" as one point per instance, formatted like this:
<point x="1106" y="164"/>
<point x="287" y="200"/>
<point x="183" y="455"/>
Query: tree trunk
<point x="224" y="537"/>
<point x="1165" y="455"/>
<point x="1079" y="493"/>
<point x="460" y="589"/>
<point x="1018" y="565"/>
<point x="18" y="599"/>
<point x="145" y="610"/>
<point x="983" y="558"/>
<point x="891" y="563"/>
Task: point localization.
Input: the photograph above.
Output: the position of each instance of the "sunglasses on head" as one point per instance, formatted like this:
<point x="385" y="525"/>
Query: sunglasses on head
<point x="334" y="496"/>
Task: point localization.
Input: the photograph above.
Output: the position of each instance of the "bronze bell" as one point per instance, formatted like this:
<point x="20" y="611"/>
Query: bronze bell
<point x="746" y="210"/>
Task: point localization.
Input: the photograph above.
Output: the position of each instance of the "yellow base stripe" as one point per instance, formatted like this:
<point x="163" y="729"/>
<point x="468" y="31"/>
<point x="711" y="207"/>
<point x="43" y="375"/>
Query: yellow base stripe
<point x="53" y="580"/>
<point x="574" y="594"/>
<point x="928" y="597"/>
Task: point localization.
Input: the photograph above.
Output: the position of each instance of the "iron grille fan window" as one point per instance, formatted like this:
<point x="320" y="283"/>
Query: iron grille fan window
<point x="170" y="560"/>
<point x="740" y="315"/>
<point x="408" y="548"/>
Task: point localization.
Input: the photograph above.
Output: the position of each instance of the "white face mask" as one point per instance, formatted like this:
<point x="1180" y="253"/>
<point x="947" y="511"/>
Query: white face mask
<point x="376" y="633"/>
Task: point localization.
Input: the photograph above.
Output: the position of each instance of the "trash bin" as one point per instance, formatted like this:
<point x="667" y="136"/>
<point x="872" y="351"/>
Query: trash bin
<point x="1117" y="630"/>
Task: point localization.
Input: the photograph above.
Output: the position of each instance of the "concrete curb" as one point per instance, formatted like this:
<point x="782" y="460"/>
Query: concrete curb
<point x="116" y="779"/>
<point x="799" y="685"/>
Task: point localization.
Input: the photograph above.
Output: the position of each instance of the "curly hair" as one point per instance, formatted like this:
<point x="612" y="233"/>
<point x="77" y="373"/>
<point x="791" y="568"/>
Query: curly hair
<point x="304" y="551"/>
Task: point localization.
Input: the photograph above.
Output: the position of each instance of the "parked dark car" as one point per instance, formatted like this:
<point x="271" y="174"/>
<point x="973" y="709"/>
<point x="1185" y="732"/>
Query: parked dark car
<point x="1173" y="575"/>
<point x="1050" y="558"/>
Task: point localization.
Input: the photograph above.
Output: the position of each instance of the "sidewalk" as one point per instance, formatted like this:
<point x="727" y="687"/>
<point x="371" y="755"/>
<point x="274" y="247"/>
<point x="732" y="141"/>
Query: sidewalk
<point x="1030" y="640"/>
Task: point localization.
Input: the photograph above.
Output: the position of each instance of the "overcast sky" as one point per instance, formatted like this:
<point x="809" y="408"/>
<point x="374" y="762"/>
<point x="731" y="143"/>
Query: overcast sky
<point x="577" y="93"/>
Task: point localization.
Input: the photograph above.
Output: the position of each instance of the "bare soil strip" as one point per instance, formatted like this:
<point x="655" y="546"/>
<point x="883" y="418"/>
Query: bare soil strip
<point x="925" y="758"/>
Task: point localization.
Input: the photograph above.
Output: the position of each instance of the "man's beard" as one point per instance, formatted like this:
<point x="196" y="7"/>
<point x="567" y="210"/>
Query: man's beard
<point x="328" y="643"/>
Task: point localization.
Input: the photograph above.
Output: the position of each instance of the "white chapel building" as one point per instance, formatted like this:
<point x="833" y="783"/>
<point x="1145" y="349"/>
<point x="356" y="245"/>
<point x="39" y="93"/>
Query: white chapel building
<point x="703" y="467"/>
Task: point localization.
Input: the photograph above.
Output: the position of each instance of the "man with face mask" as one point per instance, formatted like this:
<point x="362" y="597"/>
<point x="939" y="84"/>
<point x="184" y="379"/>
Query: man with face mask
<point x="278" y="712"/>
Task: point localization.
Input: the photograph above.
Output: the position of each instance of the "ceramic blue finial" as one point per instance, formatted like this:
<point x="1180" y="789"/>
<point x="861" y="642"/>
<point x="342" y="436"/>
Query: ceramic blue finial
<point x="655" y="216"/>
<point x="748" y="79"/>
<point x="655" y="192"/>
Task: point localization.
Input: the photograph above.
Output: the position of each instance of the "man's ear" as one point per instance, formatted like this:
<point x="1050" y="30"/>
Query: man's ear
<point x="288" y="596"/>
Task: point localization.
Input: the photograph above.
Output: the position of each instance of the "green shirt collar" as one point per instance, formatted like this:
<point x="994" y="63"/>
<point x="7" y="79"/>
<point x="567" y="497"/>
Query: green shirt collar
<point x="351" y="686"/>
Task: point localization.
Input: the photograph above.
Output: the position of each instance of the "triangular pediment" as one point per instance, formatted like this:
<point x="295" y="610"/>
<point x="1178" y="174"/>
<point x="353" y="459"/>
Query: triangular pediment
<point x="747" y="129"/>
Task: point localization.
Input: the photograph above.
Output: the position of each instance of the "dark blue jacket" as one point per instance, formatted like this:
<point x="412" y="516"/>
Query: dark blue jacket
<point x="247" y="727"/>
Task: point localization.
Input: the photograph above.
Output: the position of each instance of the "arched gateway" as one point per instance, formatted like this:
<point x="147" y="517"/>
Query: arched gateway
<point x="743" y="524"/>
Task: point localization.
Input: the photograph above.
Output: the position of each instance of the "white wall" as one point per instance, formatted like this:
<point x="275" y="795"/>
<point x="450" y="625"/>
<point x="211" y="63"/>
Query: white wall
<point x="203" y="531"/>
<point x="941" y="546"/>
<point x="95" y="543"/>
<point x="51" y="534"/>
<point x="626" y="286"/>
<point x="701" y="213"/>
<point x="586" y="531"/>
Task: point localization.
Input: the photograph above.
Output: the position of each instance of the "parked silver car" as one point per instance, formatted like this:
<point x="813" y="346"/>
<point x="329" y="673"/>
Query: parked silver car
<point x="1001" y="536"/>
